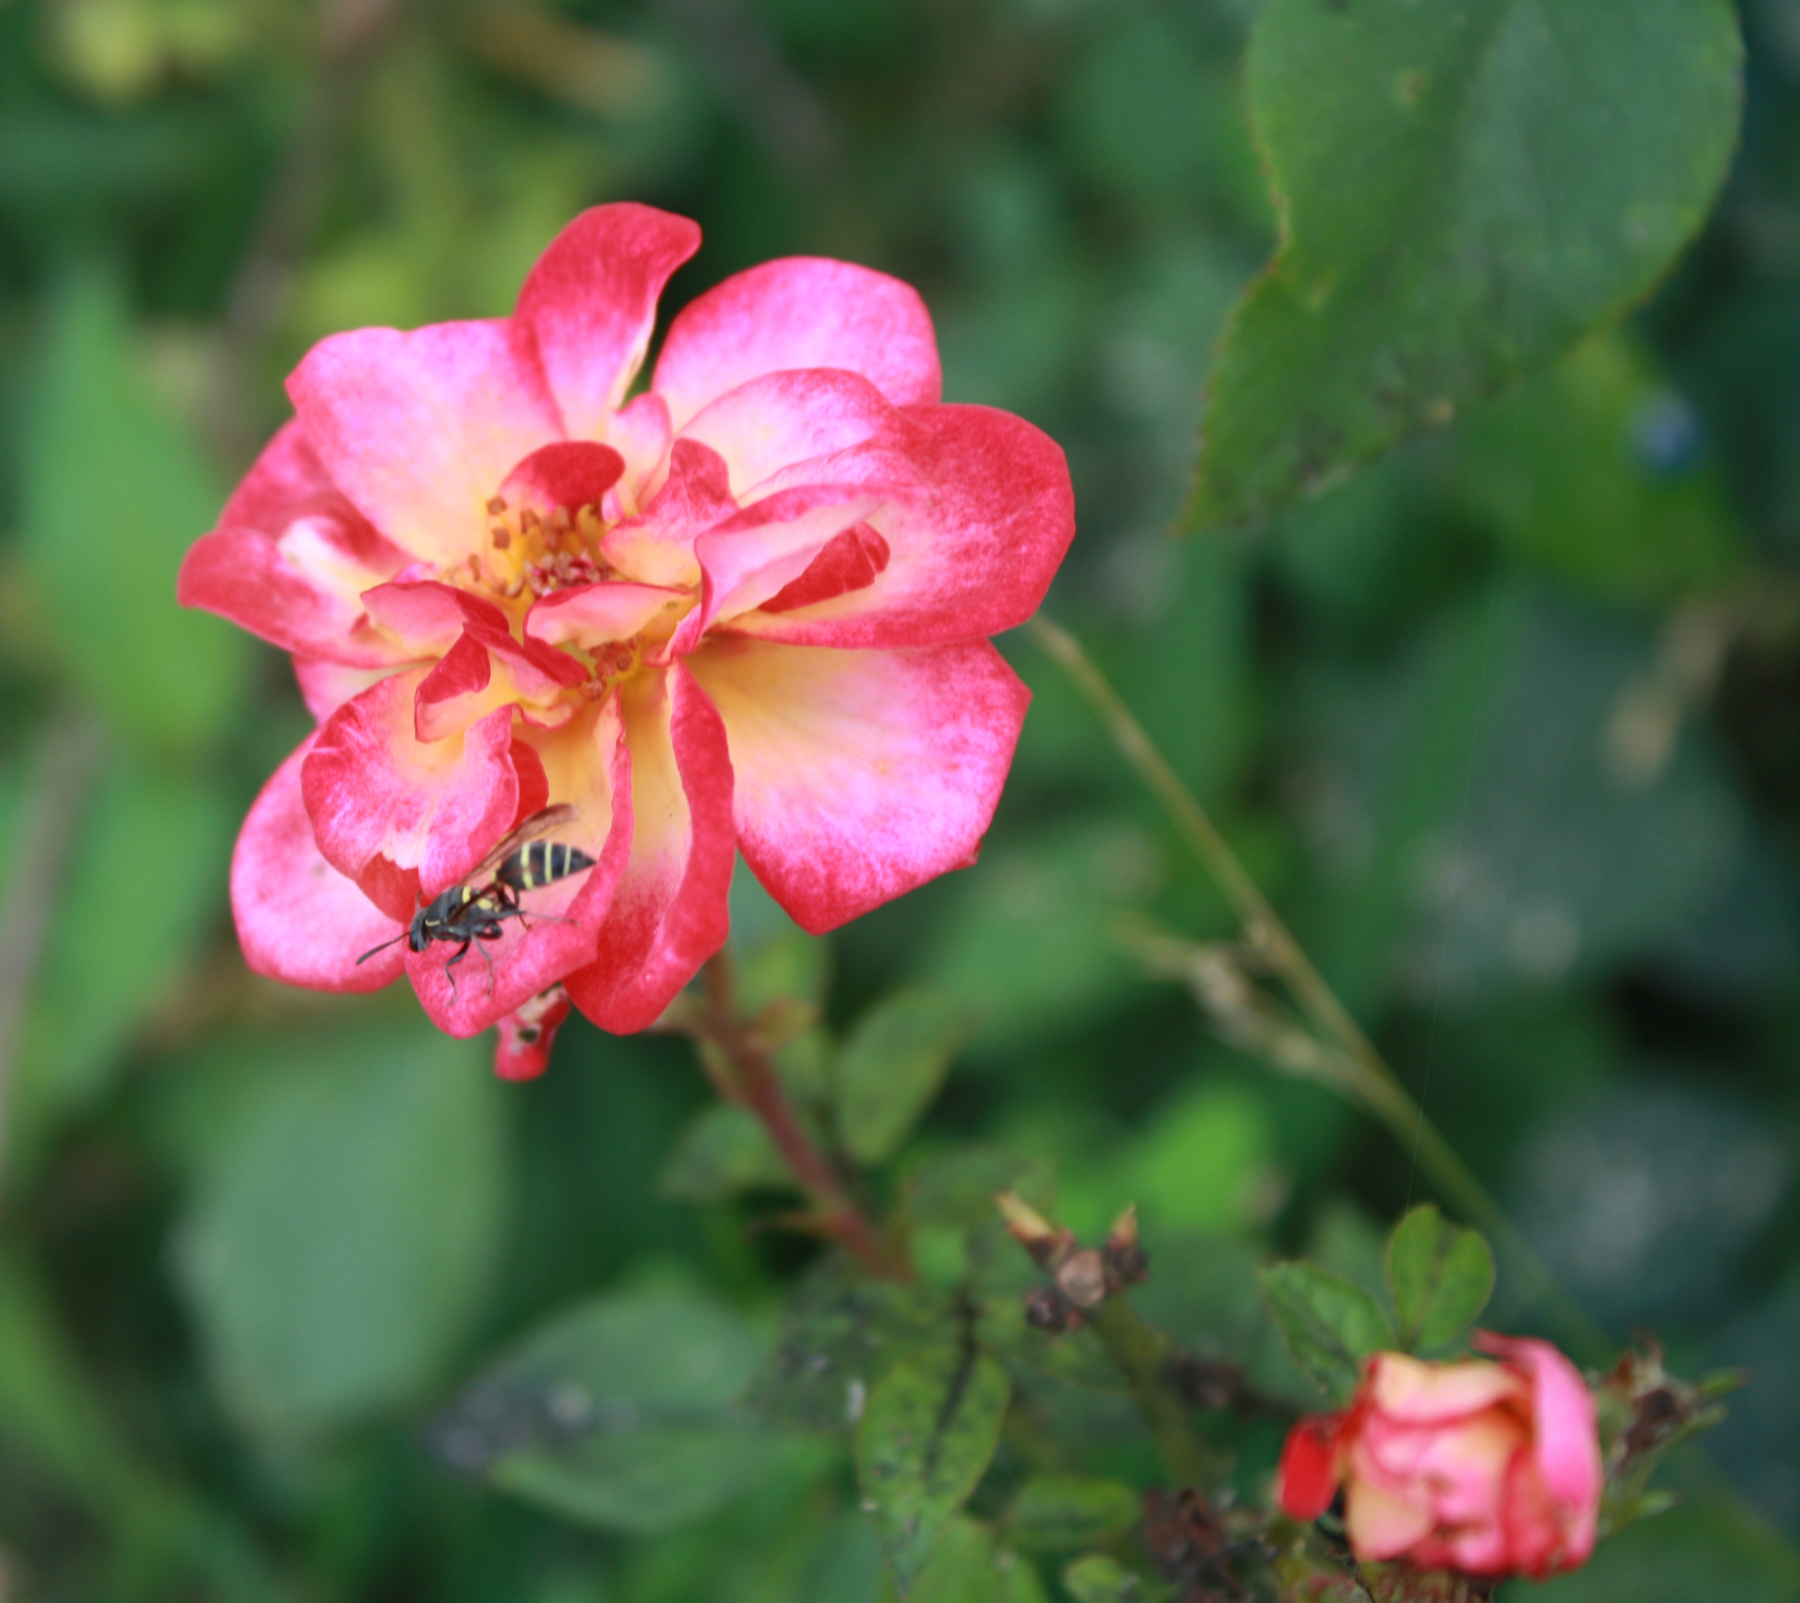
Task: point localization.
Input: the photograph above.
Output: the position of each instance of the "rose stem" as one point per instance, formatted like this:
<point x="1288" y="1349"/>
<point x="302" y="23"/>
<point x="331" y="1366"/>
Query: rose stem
<point x="1144" y="1355"/>
<point x="752" y="1082"/>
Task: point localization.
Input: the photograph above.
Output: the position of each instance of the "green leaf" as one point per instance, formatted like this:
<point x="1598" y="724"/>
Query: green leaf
<point x="342" y="1237"/>
<point x="1441" y="1277"/>
<point x="621" y="1413"/>
<point x="968" y="1567"/>
<point x="1063" y="1511"/>
<point x="891" y="1068"/>
<point x="1328" y="1324"/>
<point x="837" y="1342"/>
<point x="137" y="901"/>
<point x="724" y="1150"/>
<point x="930" y="1429"/>
<point x="1465" y="189"/>
<point x="1100" y="1578"/>
<point x="114" y="493"/>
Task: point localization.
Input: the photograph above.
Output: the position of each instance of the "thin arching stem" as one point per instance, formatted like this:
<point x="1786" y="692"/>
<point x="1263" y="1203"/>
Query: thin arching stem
<point x="1358" y="1071"/>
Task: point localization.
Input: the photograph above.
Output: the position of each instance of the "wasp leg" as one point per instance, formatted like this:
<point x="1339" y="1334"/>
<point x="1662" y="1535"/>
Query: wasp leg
<point x="481" y="947"/>
<point x="461" y="952"/>
<point x="547" y="918"/>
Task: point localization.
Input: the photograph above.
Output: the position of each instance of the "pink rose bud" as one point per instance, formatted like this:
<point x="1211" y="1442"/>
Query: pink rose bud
<point x="1487" y="1468"/>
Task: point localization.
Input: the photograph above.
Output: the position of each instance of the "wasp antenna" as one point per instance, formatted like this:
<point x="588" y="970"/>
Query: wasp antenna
<point x="381" y="948"/>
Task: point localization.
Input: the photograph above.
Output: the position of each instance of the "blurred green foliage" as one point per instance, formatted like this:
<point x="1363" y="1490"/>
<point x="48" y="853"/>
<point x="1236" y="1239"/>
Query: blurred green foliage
<point x="295" y="1302"/>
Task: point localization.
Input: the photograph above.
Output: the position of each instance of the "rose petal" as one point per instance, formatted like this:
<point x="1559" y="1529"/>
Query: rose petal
<point x="641" y="433"/>
<point x="482" y="672"/>
<point x="972" y="549"/>
<point x="1306" y="1481"/>
<point x="420" y="429"/>
<point x="326" y="686"/>
<point x="1406" y="1389"/>
<point x="795" y="313"/>
<point x="1381" y="1524"/>
<point x="671" y="912"/>
<point x="526" y="1035"/>
<point x="428" y="617"/>
<point x="590" y="303"/>
<point x="861" y="774"/>
<point x="290" y="558"/>
<point x="657" y="546"/>
<point x="598" y="614"/>
<point x="755" y="554"/>
<point x="587" y="768"/>
<point x="846" y="562"/>
<point x="566" y="474"/>
<point x="403" y="818"/>
<point x="1566" y="1439"/>
<point x="784" y="419"/>
<point x="298" y="919"/>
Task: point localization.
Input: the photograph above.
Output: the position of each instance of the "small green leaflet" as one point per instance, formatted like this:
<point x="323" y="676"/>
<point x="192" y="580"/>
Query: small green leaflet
<point x="1441" y="1277"/>
<point x="1328" y="1324"/>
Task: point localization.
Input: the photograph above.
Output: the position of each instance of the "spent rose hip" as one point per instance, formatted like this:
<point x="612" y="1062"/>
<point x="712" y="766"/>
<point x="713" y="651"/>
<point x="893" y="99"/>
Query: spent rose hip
<point x="745" y="610"/>
<point x="1490" y="1468"/>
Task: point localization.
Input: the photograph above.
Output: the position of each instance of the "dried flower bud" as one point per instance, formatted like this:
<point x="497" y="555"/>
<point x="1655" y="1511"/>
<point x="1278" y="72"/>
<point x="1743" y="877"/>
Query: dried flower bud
<point x="1047" y="1244"/>
<point x="1126" y="1262"/>
<point x="1048" y="1309"/>
<point x="1082" y="1279"/>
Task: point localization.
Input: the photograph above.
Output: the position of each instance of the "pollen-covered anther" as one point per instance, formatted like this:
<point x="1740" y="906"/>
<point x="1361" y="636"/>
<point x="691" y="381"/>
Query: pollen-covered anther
<point x="560" y="570"/>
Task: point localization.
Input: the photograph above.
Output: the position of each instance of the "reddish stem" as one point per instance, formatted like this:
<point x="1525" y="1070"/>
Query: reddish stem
<point x="754" y="1083"/>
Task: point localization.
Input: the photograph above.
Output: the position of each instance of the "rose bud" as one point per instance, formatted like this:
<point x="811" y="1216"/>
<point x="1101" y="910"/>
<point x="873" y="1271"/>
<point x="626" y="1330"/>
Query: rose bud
<point x="1488" y="1468"/>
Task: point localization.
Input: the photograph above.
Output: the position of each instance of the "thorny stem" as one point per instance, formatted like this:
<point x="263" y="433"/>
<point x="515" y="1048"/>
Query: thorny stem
<point x="1144" y="1355"/>
<point x="71" y="756"/>
<point x="750" y="1079"/>
<point x="1358" y="1071"/>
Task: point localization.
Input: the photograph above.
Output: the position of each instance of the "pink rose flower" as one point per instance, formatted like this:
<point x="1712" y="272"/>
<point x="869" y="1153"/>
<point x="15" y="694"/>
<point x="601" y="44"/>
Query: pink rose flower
<point x="745" y="610"/>
<point x="1487" y="1468"/>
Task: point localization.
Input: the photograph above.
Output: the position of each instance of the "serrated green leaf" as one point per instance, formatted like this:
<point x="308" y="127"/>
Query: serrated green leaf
<point x="1328" y="1324"/>
<point x="1440" y="1276"/>
<point x="1064" y="1511"/>
<point x="891" y="1068"/>
<point x="114" y="493"/>
<point x="723" y="1150"/>
<point x="621" y="1413"/>
<point x="929" y="1431"/>
<point x="342" y="1238"/>
<point x="1466" y="188"/>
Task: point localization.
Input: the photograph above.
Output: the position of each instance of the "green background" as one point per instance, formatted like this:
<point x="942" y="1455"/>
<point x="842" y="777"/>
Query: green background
<point x="1508" y="725"/>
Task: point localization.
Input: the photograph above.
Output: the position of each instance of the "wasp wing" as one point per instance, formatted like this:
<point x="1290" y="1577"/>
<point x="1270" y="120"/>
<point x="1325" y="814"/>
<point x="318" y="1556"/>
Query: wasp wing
<point x="536" y="827"/>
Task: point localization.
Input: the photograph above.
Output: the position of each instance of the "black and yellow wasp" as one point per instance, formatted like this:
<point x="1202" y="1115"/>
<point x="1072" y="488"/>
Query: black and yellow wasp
<point x="474" y="913"/>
